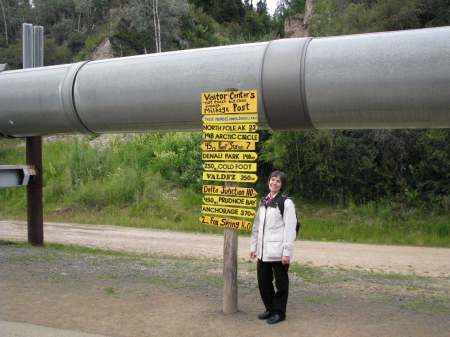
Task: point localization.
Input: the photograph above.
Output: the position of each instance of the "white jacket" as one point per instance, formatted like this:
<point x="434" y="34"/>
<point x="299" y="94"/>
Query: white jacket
<point x="273" y="236"/>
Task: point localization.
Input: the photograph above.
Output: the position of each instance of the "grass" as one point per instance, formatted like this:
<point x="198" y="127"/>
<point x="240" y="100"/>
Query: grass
<point x="152" y="181"/>
<point x="427" y="307"/>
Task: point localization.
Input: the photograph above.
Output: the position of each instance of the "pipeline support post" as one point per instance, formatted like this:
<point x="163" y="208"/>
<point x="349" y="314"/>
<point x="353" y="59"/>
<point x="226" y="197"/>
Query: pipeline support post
<point x="33" y="56"/>
<point x="35" y="214"/>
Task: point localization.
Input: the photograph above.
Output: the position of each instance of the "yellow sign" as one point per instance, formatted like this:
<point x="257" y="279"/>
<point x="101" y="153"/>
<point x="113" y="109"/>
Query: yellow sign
<point x="229" y="211"/>
<point x="230" y="119"/>
<point x="230" y="156"/>
<point x="229" y="102"/>
<point x="228" y="146"/>
<point x="246" y="137"/>
<point x="229" y="166"/>
<point x="230" y="127"/>
<point x="230" y="201"/>
<point x="229" y="191"/>
<point x="227" y="176"/>
<point x="226" y="223"/>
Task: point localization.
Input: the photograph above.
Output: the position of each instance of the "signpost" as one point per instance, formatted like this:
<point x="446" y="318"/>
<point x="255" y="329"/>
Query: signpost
<point x="230" y="120"/>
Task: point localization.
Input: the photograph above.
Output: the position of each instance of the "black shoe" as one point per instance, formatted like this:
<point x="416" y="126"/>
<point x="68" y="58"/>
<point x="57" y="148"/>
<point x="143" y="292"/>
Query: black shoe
<point x="275" y="318"/>
<point x="265" y="315"/>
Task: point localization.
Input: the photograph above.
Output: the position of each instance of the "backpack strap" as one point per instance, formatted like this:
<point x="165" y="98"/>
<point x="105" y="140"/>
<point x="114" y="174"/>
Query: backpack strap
<point x="280" y="199"/>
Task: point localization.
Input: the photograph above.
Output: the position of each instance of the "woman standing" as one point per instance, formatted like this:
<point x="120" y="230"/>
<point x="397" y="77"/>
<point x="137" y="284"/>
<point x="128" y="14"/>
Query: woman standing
<point x="273" y="236"/>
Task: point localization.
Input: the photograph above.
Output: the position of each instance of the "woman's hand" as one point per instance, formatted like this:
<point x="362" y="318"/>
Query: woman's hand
<point x="253" y="255"/>
<point x="285" y="260"/>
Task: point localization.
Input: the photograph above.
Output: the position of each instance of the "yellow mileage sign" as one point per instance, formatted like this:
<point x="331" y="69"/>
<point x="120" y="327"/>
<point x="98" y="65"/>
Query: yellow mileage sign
<point x="229" y="191"/>
<point x="229" y="201"/>
<point x="230" y="177"/>
<point x="243" y="136"/>
<point x="229" y="211"/>
<point x="230" y="127"/>
<point x="229" y="156"/>
<point x="229" y="102"/>
<point x="230" y="166"/>
<point x="228" y="146"/>
<point x="225" y="222"/>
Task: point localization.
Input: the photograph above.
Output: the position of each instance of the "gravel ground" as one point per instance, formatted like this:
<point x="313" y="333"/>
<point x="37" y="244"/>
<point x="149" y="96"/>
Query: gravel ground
<point x="121" y="294"/>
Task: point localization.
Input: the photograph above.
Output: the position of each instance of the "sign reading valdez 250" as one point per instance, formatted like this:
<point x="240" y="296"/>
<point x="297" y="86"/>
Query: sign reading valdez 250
<point x="229" y="138"/>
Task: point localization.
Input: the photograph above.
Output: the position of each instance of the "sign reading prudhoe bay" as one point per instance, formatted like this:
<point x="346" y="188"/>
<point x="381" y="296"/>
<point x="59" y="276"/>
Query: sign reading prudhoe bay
<point x="230" y="124"/>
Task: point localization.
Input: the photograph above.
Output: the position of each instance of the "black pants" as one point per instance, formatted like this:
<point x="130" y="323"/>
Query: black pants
<point x="273" y="301"/>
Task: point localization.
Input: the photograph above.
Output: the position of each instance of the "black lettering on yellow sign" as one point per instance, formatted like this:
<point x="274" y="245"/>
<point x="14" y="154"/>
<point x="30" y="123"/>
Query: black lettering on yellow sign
<point x="230" y="119"/>
<point x="230" y="177"/>
<point x="230" y="127"/>
<point x="230" y="201"/>
<point x="229" y="211"/>
<point x="229" y="191"/>
<point x="228" y="146"/>
<point x="230" y="166"/>
<point x="246" y="137"/>
<point x="230" y="156"/>
<point x="229" y="102"/>
<point x="225" y="222"/>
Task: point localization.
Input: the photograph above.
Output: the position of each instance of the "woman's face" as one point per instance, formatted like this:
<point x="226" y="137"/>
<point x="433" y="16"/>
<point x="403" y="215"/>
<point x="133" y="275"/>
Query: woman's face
<point x="274" y="185"/>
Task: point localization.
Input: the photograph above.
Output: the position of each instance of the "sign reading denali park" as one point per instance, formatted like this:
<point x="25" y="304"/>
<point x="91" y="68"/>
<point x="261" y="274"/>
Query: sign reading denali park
<point x="230" y="125"/>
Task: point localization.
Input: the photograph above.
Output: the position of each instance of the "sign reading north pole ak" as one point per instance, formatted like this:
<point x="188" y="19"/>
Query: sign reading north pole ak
<point x="230" y="123"/>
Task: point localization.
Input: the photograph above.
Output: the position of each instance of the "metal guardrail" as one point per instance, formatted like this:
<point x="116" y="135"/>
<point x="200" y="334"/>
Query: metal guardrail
<point x="15" y="175"/>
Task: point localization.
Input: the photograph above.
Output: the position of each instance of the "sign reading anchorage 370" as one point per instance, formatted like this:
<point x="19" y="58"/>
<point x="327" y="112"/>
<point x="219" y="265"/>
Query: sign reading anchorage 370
<point x="230" y="123"/>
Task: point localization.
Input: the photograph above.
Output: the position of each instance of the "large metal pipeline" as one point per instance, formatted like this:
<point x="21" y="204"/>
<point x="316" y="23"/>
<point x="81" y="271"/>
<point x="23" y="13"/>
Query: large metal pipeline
<point x="381" y="80"/>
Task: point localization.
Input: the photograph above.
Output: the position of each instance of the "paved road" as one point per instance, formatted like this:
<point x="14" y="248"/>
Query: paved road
<point x="380" y="258"/>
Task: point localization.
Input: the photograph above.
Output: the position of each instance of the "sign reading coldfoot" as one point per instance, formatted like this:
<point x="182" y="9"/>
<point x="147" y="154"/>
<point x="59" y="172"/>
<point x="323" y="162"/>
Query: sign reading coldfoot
<point x="225" y="166"/>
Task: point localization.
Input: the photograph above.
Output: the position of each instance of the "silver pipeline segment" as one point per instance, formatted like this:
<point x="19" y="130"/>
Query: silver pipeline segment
<point x="382" y="80"/>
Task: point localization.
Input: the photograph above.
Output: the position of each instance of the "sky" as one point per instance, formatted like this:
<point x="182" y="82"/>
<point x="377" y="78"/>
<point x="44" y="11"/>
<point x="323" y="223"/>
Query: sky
<point x="271" y="6"/>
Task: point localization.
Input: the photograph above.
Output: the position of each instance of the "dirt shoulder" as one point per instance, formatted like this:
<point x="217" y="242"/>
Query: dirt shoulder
<point x="420" y="261"/>
<point x="122" y="295"/>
